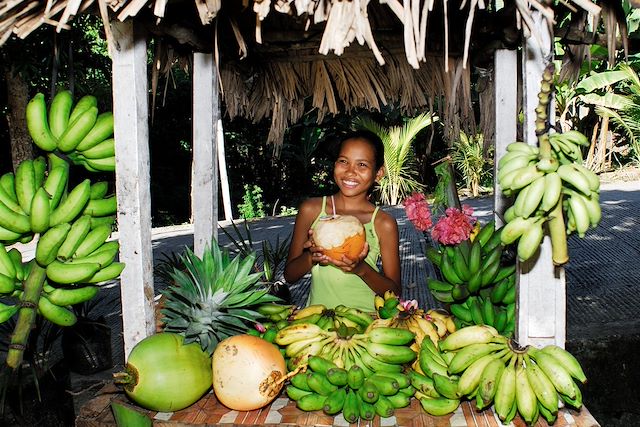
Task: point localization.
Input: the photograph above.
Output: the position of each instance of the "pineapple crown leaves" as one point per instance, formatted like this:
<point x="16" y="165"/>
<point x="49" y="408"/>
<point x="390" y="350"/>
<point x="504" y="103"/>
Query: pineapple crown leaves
<point x="212" y="296"/>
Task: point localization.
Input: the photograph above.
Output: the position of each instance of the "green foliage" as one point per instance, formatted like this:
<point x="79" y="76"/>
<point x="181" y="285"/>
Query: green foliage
<point x="400" y="179"/>
<point x="468" y="158"/>
<point x="252" y="205"/>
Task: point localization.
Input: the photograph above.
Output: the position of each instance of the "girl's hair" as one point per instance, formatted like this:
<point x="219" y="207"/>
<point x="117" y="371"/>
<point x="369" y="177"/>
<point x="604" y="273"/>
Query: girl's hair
<point x="373" y="140"/>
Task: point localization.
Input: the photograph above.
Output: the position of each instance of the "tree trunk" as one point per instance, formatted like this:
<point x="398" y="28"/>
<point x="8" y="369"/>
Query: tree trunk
<point x="18" y="96"/>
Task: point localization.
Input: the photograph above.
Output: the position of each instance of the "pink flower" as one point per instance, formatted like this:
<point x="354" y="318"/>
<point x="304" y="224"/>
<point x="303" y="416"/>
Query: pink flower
<point x="418" y="212"/>
<point x="455" y="226"/>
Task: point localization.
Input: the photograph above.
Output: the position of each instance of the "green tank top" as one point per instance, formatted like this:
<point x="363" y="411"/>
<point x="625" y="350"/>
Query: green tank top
<point x="331" y="286"/>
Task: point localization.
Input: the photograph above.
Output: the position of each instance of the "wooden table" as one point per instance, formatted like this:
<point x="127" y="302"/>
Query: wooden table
<point x="283" y="412"/>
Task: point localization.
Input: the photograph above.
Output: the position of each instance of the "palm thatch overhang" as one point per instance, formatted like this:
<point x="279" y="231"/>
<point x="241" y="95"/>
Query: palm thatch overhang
<point x="277" y="59"/>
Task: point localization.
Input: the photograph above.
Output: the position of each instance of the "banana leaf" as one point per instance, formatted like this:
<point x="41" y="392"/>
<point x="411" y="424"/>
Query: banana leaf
<point x="608" y="100"/>
<point x="601" y="80"/>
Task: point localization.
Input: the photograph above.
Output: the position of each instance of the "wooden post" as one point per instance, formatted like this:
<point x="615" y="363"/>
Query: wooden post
<point x="224" y="179"/>
<point x="204" y="187"/>
<point x="505" y="74"/>
<point x="541" y="302"/>
<point x="131" y="132"/>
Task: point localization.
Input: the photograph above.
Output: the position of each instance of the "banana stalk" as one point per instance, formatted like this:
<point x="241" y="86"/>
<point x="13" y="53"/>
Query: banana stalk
<point x="26" y="315"/>
<point x="558" y="235"/>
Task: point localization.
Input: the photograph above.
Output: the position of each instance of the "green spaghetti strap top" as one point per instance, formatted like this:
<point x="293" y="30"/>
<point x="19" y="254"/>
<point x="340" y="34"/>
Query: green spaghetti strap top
<point x="331" y="286"/>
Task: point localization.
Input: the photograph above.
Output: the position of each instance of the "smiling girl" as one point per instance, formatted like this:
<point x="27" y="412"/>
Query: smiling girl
<point x="352" y="282"/>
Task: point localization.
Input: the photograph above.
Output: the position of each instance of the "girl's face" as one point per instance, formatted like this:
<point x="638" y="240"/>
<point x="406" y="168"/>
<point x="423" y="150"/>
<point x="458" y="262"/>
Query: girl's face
<point x="355" y="169"/>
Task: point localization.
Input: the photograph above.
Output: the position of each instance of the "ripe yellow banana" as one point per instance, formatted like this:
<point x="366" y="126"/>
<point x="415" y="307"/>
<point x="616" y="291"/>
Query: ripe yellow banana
<point x="298" y="332"/>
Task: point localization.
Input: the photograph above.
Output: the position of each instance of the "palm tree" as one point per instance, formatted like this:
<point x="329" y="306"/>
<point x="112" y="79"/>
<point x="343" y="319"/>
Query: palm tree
<point x="468" y="158"/>
<point x="400" y="179"/>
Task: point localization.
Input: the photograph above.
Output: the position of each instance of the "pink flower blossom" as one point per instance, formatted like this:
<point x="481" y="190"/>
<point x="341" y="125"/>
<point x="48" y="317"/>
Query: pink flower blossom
<point x="455" y="226"/>
<point x="418" y="212"/>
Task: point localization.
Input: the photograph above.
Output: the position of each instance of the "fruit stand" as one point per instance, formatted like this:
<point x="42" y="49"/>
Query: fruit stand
<point x="340" y="365"/>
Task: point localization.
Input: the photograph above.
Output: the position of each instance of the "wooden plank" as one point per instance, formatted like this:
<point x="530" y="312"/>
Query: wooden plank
<point x="505" y="72"/>
<point x="131" y="132"/>
<point x="224" y="179"/>
<point x="541" y="301"/>
<point x="204" y="187"/>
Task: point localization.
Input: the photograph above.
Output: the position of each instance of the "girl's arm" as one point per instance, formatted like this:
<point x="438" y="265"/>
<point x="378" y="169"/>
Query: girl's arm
<point x="389" y="279"/>
<point x="300" y="258"/>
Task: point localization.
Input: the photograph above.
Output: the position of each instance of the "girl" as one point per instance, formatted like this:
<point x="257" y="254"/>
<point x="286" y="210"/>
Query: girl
<point x="352" y="282"/>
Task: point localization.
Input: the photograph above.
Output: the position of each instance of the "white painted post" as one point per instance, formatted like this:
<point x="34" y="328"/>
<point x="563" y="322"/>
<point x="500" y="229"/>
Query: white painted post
<point x="204" y="187"/>
<point x="541" y="302"/>
<point x="131" y="132"/>
<point x="505" y="74"/>
<point x="224" y="179"/>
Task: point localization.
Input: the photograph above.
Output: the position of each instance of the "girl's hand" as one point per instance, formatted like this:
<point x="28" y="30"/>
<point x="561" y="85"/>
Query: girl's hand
<point x="349" y="265"/>
<point x="316" y="252"/>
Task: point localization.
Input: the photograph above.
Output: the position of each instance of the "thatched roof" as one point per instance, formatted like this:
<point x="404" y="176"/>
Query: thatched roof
<point x="272" y="54"/>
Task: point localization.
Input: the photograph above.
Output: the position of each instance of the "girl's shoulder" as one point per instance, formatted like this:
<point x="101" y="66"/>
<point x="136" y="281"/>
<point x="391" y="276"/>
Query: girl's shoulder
<point x="385" y="222"/>
<point x="311" y="206"/>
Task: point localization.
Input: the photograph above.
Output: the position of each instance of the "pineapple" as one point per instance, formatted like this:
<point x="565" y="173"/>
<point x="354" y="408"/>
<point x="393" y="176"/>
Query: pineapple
<point x="212" y="297"/>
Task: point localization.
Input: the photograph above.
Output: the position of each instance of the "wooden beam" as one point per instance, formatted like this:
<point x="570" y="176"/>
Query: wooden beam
<point x="541" y="301"/>
<point x="204" y="187"/>
<point x="505" y="83"/>
<point x="131" y="132"/>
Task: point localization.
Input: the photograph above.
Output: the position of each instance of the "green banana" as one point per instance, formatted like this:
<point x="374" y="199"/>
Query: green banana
<point x="488" y="313"/>
<point x="580" y="214"/>
<point x="334" y="402"/>
<point x="470" y="378"/>
<point x="8" y="185"/>
<point x="575" y="178"/>
<point x="460" y="265"/>
<point x="105" y="164"/>
<point x="92" y="241"/>
<point x="552" y="191"/>
<point x="311" y="402"/>
<point x="38" y="125"/>
<point x="320" y="384"/>
<point x="83" y="104"/>
<point x="525" y="396"/>
<point x="446" y="386"/>
<point x="386" y="385"/>
<point x="422" y="383"/>
<point x="7" y="311"/>
<point x="556" y="372"/>
<point x="499" y="290"/>
<point x="7" y="284"/>
<point x="369" y="392"/>
<point x="530" y="240"/>
<point x="300" y="381"/>
<point x="320" y="365"/>
<point x="526" y="176"/>
<point x="110" y="272"/>
<point x="6" y="235"/>
<point x="102" y="129"/>
<point x="469" y="354"/>
<point x="104" y="257"/>
<point x="467" y="336"/>
<point x="98" y="190"/>
<point x="70" y="296"/>
<point x="392" y="336"/>
<point x="25" y="182"/>
<point x="337" y="376"/>
<point x="399" y="400"/>
<point x="50" y="242"/>
<point x="78" y="231"/>
<point x="355" y="377"/>
<point x="40" y="211"/>
<point x="504" y="398"/>
<point x="56" y="184"/>
<point x="77" y="130"/>
<point x="351" y="409"/>
<point x="295" y="393"/>
<point x="384" y="407"/>
<point x="431" y="364"/>
<point x="39" y="170"/>
<point x="97" y="221"/>
<point x="390" y="353"/>
<point x="367" y="410"/>
<point x="566" y="359"/>
<point x="461" y="312"/>
<point x="592" y="178"/>
<point x="448" y="273"/>
<point x="67" y="273"/>
<point x="535" y="194"/>
<point x="376" y="365"/>
<point x="106" y="148"/>
<point x="7" y="266"/>
<point x="486" y="232"/>
<point x="71" y="207"/>
<point x="438" y="285"/>
<point x="542" y="387"/>
<point x="488" y="385"/>
<point x="56" y="314"/>
<point x="59" y="112"/>
<point x="439" y="406"/>
<point x="504" y="272"/>
<point x="514" y="229"/>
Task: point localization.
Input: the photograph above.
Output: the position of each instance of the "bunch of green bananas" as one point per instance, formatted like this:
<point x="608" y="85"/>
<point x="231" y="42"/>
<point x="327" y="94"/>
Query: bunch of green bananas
<point x="77" y="130"/>
<point x="490" y="368"/>
<point x="468" y="267"/>
<point x="276" y="313"/>
<point x="328" y="318"/>
<point x="548" y="183"/>
<point x="362" y="378"/>
<point x="73" y="227"/>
